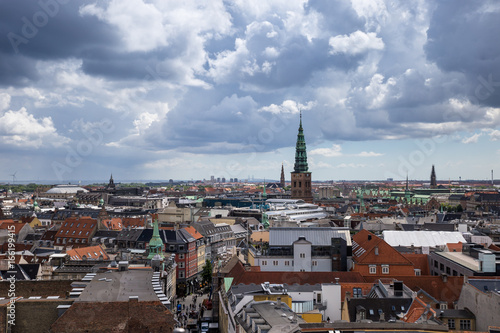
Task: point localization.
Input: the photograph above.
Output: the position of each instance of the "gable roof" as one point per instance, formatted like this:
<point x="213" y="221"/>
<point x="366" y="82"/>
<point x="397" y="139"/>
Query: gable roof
<point x="363" y="250"/>
<point x="89" y="252"/>
<point x="193" y="232"/>
<point x="8" y="224"/>
<point x="77" y="227"/>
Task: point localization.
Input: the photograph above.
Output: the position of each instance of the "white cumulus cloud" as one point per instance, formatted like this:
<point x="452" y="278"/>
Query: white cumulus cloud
<point x="355" y="43"/>
<point x="21" y="129"/>
<point x="472" y="139"/>
<point x="369" y="154"/>
<point x="334" y="151"/>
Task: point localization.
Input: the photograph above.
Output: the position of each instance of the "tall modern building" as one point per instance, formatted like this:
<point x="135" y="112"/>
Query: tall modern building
<point x="301" y="176"/>
<point x="433" y="178"/>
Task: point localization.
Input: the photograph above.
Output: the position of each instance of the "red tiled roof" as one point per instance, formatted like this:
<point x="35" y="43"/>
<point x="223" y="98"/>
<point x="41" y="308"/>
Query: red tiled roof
<point x="133" y="222"/>
<point x="363" y="250"/>
<point x="7" y="224"/>
<point x="115" y="317"/>
<point x="420" y="261"/>
<point x="76" y="228"/>
<point x="49" y="235"/>
<point x="435" y="286"/>
<point x="243" y="276"/>
<point x="89" y="252"/>
<point x="17" y="247"/>
<point x="454" y="247"/>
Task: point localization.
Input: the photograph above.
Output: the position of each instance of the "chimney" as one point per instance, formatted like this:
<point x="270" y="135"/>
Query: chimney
<point x="348" y="295"/>
<point x="278" y="303"/>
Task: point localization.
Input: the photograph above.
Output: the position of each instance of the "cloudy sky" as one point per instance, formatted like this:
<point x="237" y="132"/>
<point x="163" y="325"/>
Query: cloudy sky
<point x="178" y="89"/>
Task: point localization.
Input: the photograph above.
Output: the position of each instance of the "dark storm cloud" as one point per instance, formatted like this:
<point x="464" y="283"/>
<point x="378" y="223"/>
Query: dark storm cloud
<point x="463" y="37"/>
<point x="47" y="30"/>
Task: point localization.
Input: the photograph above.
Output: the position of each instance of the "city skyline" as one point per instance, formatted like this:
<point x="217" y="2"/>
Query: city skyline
<point x="163" y="90"/>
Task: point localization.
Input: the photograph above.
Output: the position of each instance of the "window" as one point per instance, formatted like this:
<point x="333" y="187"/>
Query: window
<point x="264" y="262"/>
<point x="465" y="324"/>
<point x="435" y="264"/>
<point x="385" y="269"/>
<point x="356" y="292"/>
<point x="302" y="255"/>
<point x="451" y="324"/>
<point x="275" y="262"/>
<point x="181" y="255"/>
<point x="373" y="269"/>
<point x="441" y="267"/>
<point x="181" y="274"/>
<point x="417" y="272"/>
<point x="181" y="264"/>
<point x="448" y="271"/>
<point x="315" y="263"/>
<point x="181" y="247"/>
<point x="287" y="263"/>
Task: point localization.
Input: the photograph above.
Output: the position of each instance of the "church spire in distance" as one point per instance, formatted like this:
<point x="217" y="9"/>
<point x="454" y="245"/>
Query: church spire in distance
<point x="282" y="179"/>
<point x="300" y="150"/>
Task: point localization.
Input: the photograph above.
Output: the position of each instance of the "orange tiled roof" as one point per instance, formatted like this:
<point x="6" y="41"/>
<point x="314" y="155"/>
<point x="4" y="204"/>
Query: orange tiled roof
<point x="416" y="310"/>
<point x="193" y="232"/>
<point x="114" y="223"/>
<point x="89" y="252"/>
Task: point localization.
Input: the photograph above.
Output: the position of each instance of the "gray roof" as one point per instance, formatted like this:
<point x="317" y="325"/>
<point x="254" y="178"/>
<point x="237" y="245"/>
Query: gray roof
<point x="486" y="285"/>
<point x="316" y="235"/>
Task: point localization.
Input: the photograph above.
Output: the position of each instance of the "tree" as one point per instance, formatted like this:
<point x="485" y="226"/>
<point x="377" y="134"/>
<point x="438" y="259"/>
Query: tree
<point x="206" y="273"/>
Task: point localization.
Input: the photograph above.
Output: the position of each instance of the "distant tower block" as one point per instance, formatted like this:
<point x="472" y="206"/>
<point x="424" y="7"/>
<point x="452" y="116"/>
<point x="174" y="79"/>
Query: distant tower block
<point x="282" y="179"/>
<point x="433" y="178"/>
<point x="301" y="177"/>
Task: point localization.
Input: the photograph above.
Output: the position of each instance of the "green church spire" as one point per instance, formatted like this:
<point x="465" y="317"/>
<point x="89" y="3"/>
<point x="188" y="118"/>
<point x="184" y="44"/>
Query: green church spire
<point x="155" y="244"/>
<point x="300" y="151"/>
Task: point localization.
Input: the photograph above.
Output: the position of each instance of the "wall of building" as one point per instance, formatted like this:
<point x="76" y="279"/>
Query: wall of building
<point x="439" y="265"/>
<point x="302" y="256"/>
<point x="485" y="306"/>
<point x="312" y="317"/>
<point x="332" y="299"/>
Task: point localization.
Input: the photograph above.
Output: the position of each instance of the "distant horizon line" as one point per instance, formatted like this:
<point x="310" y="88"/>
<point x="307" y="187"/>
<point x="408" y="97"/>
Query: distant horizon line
<point x="255" y="180"/>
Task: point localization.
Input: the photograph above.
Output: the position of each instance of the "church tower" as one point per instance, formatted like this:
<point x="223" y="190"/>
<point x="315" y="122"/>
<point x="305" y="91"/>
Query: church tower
<point x="301" y="177"/>
<point x="282" y="179"/>
<point x="433" y="178"/>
